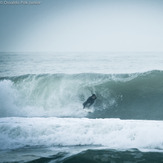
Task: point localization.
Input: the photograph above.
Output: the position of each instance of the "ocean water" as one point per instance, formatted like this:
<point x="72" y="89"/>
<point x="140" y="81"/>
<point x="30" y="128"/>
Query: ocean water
<point x="41" y="113"/>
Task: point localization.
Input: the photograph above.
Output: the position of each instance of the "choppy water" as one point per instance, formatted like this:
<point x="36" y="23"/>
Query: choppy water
<point x="41" y="112"/>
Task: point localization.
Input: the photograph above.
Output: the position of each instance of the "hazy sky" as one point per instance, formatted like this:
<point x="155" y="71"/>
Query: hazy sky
<point x="82" y="25"/>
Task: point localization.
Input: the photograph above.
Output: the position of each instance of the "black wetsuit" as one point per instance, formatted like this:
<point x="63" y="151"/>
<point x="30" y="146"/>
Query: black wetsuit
<point x="89" y="102"/>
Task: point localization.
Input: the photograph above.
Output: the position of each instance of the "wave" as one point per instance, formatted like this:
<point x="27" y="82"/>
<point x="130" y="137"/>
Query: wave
<point x="104" y="156"/>
<point x="128" y="96"/>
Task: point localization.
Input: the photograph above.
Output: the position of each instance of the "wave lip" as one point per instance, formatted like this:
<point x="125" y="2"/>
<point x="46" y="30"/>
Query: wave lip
<point x="125" y="96"/>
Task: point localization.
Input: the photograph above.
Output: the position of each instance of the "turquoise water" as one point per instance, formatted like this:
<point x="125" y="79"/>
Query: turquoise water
<point x="41" y="114"/>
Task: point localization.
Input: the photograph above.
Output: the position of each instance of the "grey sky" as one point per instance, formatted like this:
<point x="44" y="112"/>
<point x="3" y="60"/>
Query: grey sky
<point x="82" y="25"/>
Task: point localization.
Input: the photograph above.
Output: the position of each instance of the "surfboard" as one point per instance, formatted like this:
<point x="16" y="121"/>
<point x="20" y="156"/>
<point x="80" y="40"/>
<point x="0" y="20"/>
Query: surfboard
<point x="88" y="110"/>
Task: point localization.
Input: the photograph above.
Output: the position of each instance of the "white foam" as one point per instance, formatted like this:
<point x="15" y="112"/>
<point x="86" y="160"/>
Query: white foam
<point x="30" y="98"/>
<point x="112" y="133"/>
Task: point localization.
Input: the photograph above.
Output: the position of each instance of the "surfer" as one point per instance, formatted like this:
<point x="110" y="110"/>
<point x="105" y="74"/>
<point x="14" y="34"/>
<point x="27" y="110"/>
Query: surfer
<point x="89" y="101"/>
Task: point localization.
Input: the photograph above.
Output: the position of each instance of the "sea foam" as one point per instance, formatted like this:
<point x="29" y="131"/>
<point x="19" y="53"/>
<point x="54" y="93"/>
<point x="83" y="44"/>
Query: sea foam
<point x="51" y="132"/>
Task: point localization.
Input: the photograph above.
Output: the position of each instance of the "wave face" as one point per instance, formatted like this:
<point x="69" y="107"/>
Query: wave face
<point x="103" y="156"/>
<point x="128" y="96"/>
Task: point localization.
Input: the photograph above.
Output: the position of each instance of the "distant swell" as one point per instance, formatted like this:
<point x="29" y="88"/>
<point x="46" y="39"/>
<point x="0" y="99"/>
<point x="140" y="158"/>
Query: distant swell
<point x="128" y="96"/>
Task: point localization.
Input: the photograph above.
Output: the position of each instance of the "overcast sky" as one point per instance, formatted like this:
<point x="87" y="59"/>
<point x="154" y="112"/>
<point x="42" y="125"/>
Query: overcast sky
<point x="82" y="25"/>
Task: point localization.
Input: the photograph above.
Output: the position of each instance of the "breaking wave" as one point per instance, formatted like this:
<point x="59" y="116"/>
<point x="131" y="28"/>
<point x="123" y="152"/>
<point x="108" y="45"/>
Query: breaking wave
<point x="128" y="96"/>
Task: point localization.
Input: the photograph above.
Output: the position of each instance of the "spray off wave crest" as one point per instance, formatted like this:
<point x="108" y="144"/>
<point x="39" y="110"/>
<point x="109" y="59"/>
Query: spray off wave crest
<point x="128" y="96"/>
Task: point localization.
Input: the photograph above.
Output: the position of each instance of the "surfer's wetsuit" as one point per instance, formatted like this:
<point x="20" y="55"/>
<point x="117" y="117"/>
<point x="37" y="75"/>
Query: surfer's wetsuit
<point x="89" y="101"/>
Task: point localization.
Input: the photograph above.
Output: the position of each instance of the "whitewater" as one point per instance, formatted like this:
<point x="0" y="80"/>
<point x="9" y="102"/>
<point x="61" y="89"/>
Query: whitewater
<point x="41" y="113"/>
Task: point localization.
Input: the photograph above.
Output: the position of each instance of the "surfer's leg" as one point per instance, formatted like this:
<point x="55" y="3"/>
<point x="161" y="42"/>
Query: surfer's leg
<point x="84" y="104"/>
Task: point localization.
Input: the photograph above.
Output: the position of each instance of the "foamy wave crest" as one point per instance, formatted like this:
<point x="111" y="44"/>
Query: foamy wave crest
<point x="40" y="95"/>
